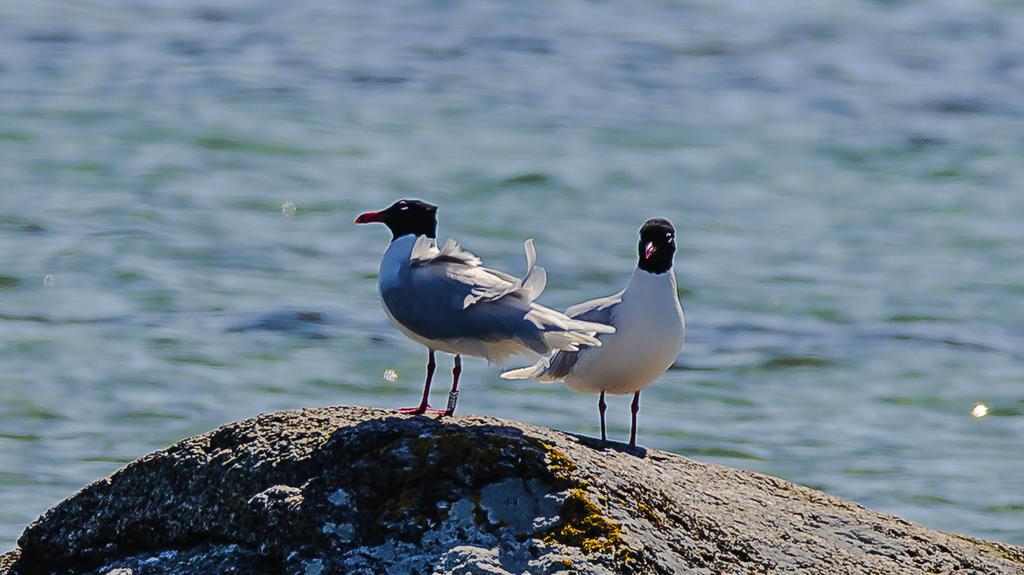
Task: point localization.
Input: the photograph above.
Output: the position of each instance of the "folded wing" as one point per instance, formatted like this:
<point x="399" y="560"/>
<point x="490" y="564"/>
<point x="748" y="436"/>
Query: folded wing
<point x="448" y="294"/>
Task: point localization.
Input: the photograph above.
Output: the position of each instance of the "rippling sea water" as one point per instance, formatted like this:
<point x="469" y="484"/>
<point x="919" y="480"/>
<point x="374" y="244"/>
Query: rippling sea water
<point x="846" y="180"/>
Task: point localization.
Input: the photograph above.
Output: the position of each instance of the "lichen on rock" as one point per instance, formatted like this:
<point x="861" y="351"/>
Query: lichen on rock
<point x="583" y="525"/>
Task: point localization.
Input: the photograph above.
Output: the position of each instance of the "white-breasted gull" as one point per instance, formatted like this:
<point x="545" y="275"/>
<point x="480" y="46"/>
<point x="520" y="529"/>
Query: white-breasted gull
<point x="649" y="329"/>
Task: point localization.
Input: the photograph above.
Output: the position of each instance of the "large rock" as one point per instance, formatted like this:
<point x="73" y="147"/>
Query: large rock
<point x="352" y="490"/>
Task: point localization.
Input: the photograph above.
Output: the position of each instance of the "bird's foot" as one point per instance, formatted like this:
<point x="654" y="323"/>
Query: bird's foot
<point x="420" y="410"/>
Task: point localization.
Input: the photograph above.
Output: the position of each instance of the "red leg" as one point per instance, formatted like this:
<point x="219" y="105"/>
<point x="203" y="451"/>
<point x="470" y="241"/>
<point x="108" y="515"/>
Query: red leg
<point x="424" y="405"/>
<point x="635" y="408"/>
<point x="453" y="395"/>
<point x="601" y="406"/>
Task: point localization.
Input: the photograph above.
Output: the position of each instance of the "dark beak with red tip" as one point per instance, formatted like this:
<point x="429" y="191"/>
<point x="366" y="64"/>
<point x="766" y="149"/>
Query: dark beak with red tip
<point x="649" y="250"/>
<point x="370" y="217"/>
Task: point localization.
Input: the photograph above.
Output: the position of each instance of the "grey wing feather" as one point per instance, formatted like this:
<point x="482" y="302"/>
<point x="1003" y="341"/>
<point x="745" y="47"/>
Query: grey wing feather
<point x="449" y="294"/>
<point x="597" y="310"/>
<point x="432" y="302"/>
<point x="485" y="284"/>
<point x="528" y="288"/>
<point x="559" y="364"/>
<point x="425" y="251"/>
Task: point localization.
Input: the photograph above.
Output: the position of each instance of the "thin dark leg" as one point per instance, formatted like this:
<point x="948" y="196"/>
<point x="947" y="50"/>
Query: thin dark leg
<point x="453" y="395"/>
<point x="632" y="430"/>
<point x="424" y="405"/>
<point x="601" y="406"/>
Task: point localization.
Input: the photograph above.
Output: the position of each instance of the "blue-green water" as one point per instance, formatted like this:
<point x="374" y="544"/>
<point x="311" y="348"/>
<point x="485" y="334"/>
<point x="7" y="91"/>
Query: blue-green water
<point x="847" y="180"/>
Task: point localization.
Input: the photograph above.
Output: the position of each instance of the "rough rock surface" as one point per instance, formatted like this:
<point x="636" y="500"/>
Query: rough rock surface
<point x="352" y="490"/>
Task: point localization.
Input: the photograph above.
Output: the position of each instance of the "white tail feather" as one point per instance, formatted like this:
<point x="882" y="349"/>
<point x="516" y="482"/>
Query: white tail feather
<point x="569" y="340"/>
<point x="526" y="372"/>
<point x="549" y="320"/>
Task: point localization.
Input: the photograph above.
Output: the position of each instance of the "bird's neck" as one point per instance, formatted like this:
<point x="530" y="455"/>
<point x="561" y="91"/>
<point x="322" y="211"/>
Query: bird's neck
<point x="652" y="283"/>
<point x="418" y="228"/>
<point x="401" y="247"/>
<point x="395" y="260"/>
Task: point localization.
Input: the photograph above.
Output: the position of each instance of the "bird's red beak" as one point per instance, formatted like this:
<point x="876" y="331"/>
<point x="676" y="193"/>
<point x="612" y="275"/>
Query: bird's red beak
<point x="370" y="217"/>
<point x="649" y="249"/>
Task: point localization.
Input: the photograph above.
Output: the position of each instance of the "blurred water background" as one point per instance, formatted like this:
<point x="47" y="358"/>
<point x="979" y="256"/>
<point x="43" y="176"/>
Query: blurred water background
<point x="179" y="179"/>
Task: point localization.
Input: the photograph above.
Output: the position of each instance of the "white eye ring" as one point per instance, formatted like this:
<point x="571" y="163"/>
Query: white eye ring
<point x="403" y="208"/>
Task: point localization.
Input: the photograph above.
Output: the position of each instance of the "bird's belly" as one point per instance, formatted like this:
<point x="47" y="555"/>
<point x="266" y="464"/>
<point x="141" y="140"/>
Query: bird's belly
<point x="494" y="351"/>
<point x="627" y="361"/>
<point x="434" y="344"/>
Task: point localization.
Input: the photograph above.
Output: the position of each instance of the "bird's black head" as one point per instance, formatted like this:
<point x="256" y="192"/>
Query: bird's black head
<point x="405" y="217"/>
<point x="657" y="246"/>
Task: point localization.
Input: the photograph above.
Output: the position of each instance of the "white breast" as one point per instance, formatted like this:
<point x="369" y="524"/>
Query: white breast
<point x="649" y="335"/>
<point x="395" y="262"/>
<point x="393" y="266"/>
